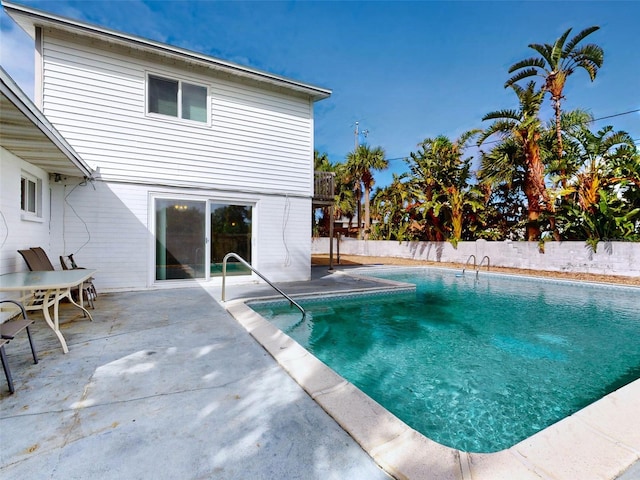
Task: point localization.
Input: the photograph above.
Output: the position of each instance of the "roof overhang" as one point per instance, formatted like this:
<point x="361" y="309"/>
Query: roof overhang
<point x="29" y="18"/>
<point x="25" y="132"/>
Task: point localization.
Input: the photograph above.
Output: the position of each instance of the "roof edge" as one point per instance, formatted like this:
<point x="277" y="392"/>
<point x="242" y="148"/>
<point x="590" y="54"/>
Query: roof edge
<point x="12" y="91"/>
<point x="38" y="17"/>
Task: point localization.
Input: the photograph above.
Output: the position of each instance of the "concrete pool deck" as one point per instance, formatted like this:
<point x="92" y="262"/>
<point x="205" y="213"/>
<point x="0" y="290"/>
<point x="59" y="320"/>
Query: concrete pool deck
<point x="165" y="384"/>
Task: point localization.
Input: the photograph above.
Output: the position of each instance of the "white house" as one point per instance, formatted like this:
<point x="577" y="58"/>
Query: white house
<point x="184" y="158"/>
<point x="32" y="152"/>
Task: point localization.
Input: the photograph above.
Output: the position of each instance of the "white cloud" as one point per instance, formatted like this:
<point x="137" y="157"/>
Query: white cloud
<point x="17" y="54"/>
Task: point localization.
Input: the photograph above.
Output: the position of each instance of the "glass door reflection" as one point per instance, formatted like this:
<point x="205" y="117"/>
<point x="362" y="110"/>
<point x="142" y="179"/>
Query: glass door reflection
<point x="180" y="239"/>
<point x="230" y="232"/>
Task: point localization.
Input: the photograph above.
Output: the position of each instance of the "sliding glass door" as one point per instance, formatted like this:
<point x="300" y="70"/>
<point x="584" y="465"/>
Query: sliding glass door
<point x="230" y="232"/>
<point x="180" y="239"/>
<point x="191" y="235"/>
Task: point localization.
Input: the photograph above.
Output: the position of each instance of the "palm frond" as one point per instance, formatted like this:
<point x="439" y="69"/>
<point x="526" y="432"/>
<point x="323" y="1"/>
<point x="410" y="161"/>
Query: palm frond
<point x="591" y="52"/>
<point x="502" y="114"/>
<point x="557" y="53"/>
<point x="466" y="136"/>
<point x="501" y="127"/>
<point x="545" y="51"/>
<point x="529" y="72"/>
<point x="578" y="38"/>
<point x="527" y="63"/>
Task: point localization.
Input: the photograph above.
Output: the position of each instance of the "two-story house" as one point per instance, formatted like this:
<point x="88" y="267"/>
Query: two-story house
<point x="191" y="157"/>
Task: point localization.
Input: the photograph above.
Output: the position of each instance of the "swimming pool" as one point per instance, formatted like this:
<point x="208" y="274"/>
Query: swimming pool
<point x="476" y="365"/>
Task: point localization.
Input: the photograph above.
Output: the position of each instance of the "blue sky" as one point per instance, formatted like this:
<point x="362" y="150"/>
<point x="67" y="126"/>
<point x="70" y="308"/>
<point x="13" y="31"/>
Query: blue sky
<point x="404" y="70"/>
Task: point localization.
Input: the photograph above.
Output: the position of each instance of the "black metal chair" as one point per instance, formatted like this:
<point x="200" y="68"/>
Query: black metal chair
<point x="8" y="331"/>
<point x="90" y="292"/>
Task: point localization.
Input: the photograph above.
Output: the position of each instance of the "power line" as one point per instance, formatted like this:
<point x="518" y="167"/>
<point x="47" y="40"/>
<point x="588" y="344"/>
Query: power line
<point x="594" y="120"/>
<point x="635" y="140"/>
<point x="616" y="115"/>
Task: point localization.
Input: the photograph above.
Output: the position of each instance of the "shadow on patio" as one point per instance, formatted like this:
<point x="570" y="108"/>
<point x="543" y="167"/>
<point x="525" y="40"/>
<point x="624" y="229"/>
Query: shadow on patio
<point x="164" y="384"/>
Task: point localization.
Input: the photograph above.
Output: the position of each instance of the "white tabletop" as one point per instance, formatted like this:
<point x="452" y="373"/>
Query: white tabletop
<point x="44" y="280"/>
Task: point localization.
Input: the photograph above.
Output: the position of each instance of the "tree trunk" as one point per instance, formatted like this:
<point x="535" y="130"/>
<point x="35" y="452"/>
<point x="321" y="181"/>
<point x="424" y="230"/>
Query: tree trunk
<point x="533" y="227"/>
<point x="367" y="213"/>
<point x="358" y="209"/>
<point x="534" y="189"/>
<point x="560" y="148"/>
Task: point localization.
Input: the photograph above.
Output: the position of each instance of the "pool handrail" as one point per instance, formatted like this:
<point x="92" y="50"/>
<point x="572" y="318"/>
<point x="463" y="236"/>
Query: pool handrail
<point x="480" y="264"/>
<point x="467" y="263"/>
<point x="246" y="264"/>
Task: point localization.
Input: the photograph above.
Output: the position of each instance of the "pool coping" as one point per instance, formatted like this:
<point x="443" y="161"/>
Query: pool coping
<point x="599" y="441"/>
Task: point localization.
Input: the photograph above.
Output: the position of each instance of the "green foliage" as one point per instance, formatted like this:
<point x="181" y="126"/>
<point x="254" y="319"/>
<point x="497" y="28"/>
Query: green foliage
<point x="444" y="199"/>
<point x="537" y="180"/>
<point x="611" y="219"/>
<point x="359" y="172"/>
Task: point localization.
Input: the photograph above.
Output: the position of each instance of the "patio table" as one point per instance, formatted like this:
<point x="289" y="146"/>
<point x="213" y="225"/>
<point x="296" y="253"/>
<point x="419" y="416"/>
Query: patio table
<point x="53" y="286"/>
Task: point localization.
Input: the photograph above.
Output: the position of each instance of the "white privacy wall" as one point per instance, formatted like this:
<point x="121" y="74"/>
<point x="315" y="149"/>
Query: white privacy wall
<point x="611" y="258"/>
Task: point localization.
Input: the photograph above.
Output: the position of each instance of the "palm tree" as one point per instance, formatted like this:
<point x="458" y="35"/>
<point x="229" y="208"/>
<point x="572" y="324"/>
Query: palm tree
<point x="345" y="200"/>
<point x="321" y="162"/>
<point x="555" y="64"/>
<point x="390" y="207"/>
<point x="609" y="171"/>
<point x="360" y="165"/>
<point x="524" y="128"/>
<point x="441" y="179"/>
<point x="562" y="169"/>
<point x="606" y="158"/>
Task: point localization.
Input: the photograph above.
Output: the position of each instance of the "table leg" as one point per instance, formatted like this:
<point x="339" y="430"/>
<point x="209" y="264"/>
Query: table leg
<point x="54" y="324"/>
<point x="81" y="306"/>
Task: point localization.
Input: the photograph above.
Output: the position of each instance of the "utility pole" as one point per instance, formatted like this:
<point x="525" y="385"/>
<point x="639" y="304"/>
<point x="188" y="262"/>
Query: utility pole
<point x="356" y="134"/>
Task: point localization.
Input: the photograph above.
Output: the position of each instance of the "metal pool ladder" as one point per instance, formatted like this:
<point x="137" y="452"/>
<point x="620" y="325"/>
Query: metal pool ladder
<point x="292" y="302"/>
<point x="479" y="266"/>
<point x="467" y="263"/>
<point x="481" y="262"/>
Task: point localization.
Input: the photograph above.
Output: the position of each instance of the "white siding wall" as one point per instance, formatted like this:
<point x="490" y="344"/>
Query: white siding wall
<point x="17" y="233"/>
<point x="102" y="231"/>
<point x="258" y="140"/>
<point x="284" y="230"/>
<point x="107" y="226"/>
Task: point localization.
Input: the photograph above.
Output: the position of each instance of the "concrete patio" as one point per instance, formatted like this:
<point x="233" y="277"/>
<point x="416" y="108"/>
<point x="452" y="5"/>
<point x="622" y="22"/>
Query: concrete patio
<point x="166" y="384"/>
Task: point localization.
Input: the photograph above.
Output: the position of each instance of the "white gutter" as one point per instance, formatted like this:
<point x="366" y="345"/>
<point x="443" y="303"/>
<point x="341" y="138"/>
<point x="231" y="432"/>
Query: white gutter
<point x="40" y="18"/>
<point x="10" y="89"/>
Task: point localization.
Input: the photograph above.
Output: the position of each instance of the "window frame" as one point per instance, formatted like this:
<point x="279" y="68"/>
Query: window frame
<point x="30" y="208"/>
<point x="179" y="100"/>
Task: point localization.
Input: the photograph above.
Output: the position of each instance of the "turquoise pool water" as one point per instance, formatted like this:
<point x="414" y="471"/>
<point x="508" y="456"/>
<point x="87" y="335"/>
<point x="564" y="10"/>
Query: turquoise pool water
<point x="476" y="365"/>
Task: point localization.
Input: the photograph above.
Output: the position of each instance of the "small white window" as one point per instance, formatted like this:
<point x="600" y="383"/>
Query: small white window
<point x="176" y="98"/>
<point x="30" y="194"/>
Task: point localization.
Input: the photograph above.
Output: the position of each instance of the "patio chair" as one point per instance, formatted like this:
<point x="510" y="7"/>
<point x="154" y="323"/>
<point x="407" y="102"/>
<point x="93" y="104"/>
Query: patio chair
<point x="34" y="261"/>
<point x="37" y="260"/>
<point x="89" y="288"/>
<point x="8" y="331"/>
<point x="43" y="258"/>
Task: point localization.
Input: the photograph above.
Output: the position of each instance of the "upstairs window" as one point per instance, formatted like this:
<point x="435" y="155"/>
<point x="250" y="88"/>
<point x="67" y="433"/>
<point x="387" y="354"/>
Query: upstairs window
<point x="176" y="98"/>
<point x="30" y="195"/>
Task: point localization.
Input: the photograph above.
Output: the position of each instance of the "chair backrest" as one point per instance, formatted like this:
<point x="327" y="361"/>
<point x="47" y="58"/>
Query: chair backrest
<point x="31" y="259"/>
<point x="44" y="259"/>
<point x="34" y="261"/>
<point x="68" y="263"/>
